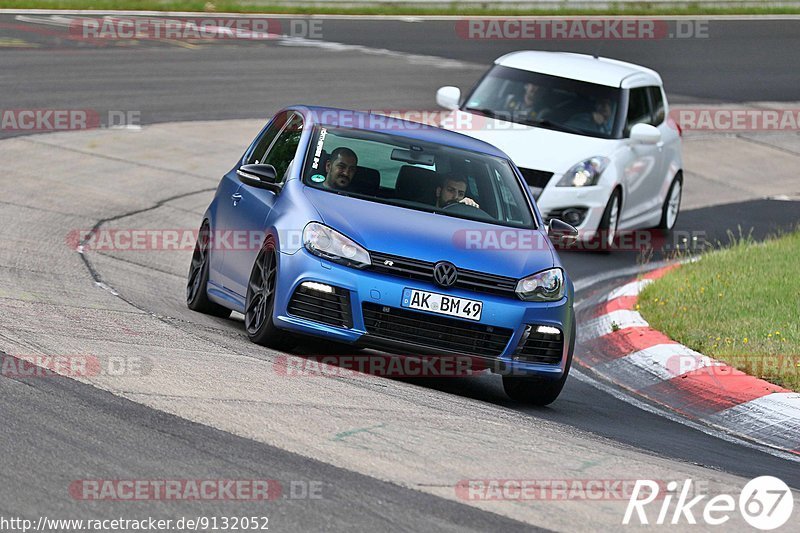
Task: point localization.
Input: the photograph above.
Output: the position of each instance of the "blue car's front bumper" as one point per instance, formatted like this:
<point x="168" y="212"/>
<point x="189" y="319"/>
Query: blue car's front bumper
<point x="386" y="290"/>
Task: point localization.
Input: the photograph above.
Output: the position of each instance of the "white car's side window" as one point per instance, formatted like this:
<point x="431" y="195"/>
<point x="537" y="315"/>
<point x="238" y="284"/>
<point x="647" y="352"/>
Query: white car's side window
<point x="638" y="109"/>
<point x="657" y="98"/>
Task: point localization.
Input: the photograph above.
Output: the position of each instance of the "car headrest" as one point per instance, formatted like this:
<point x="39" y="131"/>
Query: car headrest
<point x="366" y="181"/>
<point x="323" y="159"/>
<point x="416" y="184"/>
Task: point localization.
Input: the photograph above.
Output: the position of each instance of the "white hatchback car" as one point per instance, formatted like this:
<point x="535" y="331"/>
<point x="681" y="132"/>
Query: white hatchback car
<point x="592" y="137"/>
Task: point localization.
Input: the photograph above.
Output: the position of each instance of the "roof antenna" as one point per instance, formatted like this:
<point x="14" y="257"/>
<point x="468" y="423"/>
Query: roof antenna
<point x="594" y="55"/>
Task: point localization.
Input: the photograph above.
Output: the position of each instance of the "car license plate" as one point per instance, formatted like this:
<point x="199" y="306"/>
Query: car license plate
<point x="442" y="304"/>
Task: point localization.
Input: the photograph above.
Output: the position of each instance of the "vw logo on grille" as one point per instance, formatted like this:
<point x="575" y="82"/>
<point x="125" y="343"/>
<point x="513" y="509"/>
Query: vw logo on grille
<point x="445" y="274"/>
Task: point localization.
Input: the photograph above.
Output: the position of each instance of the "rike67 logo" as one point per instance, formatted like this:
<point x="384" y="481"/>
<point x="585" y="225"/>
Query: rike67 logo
<point x="765" y="503"/>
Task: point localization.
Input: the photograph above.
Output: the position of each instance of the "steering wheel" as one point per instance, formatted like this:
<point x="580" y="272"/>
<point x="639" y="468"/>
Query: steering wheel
<point x="457" y="208"/>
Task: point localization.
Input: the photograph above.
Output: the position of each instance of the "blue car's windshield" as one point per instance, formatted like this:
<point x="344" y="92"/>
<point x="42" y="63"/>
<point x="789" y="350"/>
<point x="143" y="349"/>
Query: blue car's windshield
<point x="427" y="177"/>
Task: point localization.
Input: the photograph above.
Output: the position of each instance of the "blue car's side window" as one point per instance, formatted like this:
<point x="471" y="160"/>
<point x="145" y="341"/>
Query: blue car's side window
<point x="259" y="151"/>
<point x="282" y="151"/>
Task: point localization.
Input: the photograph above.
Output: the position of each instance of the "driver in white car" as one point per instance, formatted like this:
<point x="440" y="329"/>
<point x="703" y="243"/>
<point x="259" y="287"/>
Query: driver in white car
<point x="453" y="190"/>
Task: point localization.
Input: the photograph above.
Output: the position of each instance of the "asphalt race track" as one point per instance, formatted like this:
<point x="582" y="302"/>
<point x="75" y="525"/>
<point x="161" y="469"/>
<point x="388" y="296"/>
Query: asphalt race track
<point x="387" y="453"/>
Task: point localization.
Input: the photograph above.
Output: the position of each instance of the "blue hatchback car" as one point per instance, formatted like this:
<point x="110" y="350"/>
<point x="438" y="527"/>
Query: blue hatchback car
<point x="387" y="234"/>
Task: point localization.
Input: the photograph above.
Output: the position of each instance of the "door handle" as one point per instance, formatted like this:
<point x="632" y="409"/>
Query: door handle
<point x="236" y="197"/>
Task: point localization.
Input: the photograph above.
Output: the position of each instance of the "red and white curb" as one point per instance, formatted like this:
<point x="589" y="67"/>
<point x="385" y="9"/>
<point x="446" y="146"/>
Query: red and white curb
<point x="618" y="344"/>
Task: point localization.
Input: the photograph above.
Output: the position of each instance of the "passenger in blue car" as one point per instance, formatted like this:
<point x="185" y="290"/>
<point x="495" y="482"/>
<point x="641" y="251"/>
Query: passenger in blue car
<point x="453" y="190"/>
<point x="340" y="169"/>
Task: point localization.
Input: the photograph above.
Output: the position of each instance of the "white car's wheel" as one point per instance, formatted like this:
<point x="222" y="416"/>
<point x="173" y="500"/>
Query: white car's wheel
<point x="672" y="204"/>
<point x="607" y="230"/>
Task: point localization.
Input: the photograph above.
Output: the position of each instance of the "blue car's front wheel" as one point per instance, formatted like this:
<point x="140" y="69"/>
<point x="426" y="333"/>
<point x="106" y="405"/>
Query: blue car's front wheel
<point x="260" y="302"/>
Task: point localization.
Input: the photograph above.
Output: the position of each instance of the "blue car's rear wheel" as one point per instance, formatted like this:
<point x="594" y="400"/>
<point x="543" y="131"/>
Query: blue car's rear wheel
<point x="260" y="302"/>
<point x="196" y="296"/>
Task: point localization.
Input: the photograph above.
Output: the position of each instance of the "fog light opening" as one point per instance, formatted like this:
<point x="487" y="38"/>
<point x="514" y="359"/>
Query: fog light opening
<point x="573" y="216"/>
<point x="548" y="330"/>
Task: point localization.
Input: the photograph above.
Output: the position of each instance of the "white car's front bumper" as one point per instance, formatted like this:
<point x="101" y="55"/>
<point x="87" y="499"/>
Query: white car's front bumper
<point x="553" y="201"/>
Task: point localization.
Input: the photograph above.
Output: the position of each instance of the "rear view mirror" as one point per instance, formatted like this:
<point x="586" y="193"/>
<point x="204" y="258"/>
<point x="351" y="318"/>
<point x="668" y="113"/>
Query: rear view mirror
<point x="415" y="157"/>
<point x="261" y="176"/>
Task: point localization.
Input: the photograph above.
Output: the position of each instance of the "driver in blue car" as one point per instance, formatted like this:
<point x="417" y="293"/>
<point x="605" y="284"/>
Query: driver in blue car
<point x="340" y="169"/>
<point x="453" y="190"/>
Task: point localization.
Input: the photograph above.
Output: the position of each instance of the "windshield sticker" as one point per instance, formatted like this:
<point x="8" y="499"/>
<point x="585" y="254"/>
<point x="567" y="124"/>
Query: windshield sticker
<point x="317" y="178"/>
<point x="322" y="133"/>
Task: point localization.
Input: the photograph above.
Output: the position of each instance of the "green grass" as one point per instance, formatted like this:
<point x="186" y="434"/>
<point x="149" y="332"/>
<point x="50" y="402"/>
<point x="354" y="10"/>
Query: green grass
<point x="454" y="8"/>
<point x="740" y="305"/>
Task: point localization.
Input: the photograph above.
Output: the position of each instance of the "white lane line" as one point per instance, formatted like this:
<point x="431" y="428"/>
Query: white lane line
<point x="632" y="400"/>
<point x="417" y="59"/>
<point x="286" y="40"/>
<point x="587" y="283"/>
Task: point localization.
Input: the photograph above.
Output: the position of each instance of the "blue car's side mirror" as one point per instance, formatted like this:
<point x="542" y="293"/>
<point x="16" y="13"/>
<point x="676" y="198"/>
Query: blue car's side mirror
<point x="261" y="176"/>
<point x="561" y="232"/>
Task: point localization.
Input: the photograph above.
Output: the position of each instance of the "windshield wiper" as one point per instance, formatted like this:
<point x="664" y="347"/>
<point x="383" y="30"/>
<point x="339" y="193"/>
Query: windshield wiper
<point x="483" y="111"/>
<point x="553" y="126"/>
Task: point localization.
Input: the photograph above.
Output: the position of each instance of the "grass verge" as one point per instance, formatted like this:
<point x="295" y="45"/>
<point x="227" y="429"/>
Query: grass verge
<point x="740" y="305"/>
<point x="453" y="8"/>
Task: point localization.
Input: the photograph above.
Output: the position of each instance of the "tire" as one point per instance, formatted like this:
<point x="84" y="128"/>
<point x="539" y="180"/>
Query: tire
<point x="260" y="302"/>
<point x="672" y="205"/>
<point x="607" y="229"/>
<point x="536" y="390"/>
<point x="197" y="282"/>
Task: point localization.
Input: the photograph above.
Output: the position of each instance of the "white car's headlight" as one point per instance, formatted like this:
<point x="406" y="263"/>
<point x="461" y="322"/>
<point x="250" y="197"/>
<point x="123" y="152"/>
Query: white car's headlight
<point x="330" y="244"/>
<point x="585" y="173"/>
<point x="544" y="286"/>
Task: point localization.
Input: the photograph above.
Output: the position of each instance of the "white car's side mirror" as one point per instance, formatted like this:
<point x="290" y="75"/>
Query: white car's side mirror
<point x="645" y="134"/>
<point x="448" y="97"/>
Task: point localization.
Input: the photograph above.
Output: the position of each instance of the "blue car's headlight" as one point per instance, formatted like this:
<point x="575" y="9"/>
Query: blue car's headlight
<point x="330" y="244"/>
<point x="584" y="173"/>
<point x="544" y="286"/>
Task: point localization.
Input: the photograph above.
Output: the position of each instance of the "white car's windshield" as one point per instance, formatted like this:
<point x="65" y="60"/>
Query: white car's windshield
<point x="417" y="175"/>
<point x="536" y="99"/>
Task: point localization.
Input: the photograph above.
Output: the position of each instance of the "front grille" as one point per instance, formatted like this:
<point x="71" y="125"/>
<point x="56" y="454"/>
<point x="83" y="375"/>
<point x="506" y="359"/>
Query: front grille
<point x="541" y="348"/>
<point x="423" y="271"/>
<point x="450" y="334"/>
<point x="328" y="308"/>
<point x="536" y="178"/>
